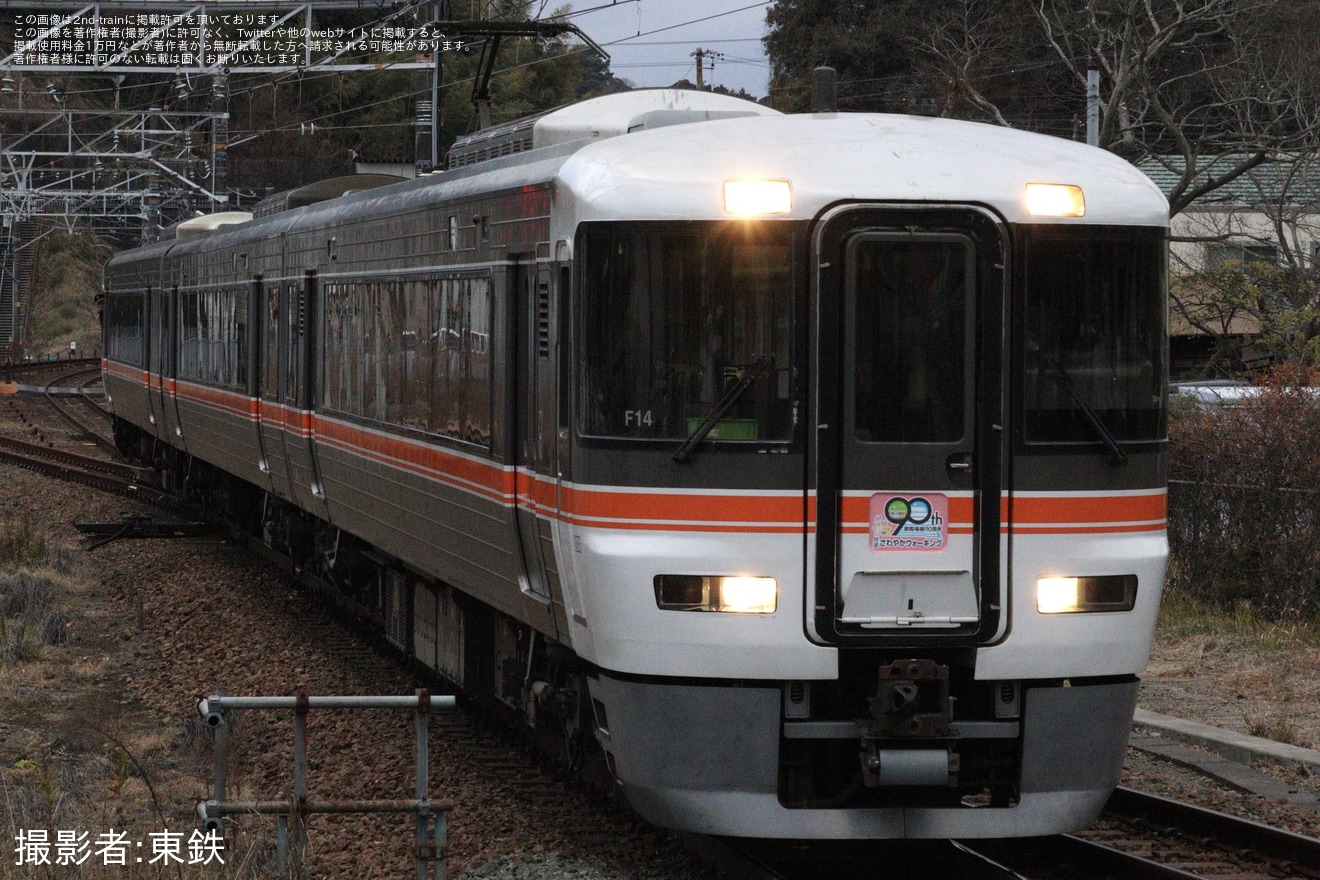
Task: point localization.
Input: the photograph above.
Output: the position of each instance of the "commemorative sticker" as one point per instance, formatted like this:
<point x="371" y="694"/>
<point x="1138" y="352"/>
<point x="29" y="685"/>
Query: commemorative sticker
<point x="909" y="522"/>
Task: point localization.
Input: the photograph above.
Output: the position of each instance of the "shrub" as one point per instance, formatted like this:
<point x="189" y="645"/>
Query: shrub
<point x="1244" y="501"/>
<point x="20" y="545"/>
<point x="29" y="619"/>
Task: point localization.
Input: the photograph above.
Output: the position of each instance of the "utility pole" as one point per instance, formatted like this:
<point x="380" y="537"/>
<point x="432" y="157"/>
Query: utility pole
<point x="219" y="136"/>
<point x="1093" y="107"/>
<point x="701" y="55"/>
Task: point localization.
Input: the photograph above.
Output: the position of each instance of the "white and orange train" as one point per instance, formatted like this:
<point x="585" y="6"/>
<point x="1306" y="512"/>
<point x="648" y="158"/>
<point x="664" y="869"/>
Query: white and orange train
<point x="814" y="465"/>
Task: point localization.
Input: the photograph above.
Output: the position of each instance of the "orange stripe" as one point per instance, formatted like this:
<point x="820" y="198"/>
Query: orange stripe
<point x="490" y="479"/>
<point x="235" y="404"/>
<point x="1090" y="509"/>
<point x="667" y="511"/>
<point x="686" y="506"/>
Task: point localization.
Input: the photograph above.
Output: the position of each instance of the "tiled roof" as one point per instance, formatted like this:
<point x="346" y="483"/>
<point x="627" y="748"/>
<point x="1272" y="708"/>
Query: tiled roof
<point x="1296" y="181"/>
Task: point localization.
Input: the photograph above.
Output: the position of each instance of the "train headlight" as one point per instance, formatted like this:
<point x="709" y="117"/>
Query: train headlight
<point x="1068" y="595"/>
<point x="1055" y="200"/>
<point x="735" y="593"/>
<point x="751" y="197"/>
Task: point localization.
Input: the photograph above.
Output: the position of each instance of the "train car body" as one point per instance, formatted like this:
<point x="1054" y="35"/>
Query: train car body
<point x="813" y="464"/>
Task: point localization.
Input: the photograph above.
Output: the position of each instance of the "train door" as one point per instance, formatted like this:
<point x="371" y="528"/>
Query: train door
<point x="157" y="341"/>
<point x="297" y="324"/>
<point x="169" y="365"/>
<point x="257" y="320"/>
<point x="910" y="427"/>
<point x="273" y="346"/>
<point x="533" y="426"/>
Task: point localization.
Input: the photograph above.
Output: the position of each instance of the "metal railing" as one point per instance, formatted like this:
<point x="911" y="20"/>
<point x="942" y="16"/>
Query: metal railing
<point x="292" y="813"/>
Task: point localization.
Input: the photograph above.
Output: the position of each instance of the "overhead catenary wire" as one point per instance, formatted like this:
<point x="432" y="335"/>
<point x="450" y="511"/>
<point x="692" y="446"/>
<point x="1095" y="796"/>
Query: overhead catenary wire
<point x="251" y="84"/>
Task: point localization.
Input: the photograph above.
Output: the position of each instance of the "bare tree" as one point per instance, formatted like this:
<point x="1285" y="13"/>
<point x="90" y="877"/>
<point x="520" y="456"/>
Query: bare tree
<point x="965" y="48"/>
<point x="1245" y="272"/>
<point x="1187" y="81"/>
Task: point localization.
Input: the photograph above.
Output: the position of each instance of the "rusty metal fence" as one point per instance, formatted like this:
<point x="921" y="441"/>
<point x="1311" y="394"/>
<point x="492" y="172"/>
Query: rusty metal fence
<point x="292" y="813"/>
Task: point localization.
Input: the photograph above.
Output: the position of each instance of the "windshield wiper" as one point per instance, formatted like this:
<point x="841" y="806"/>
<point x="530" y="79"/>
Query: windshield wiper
<point x="1116" y="453"/>
<point x="684" y="452"/>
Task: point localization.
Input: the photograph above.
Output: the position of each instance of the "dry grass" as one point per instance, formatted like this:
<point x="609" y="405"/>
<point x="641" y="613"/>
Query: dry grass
<point x="21" y="546"/>
<point x="1183" y="618"/>
<point x="1234" y="669"/>
<point x="30" y="619"/>
<point x="1280" y="728"/>
<point x="71" y="758"/>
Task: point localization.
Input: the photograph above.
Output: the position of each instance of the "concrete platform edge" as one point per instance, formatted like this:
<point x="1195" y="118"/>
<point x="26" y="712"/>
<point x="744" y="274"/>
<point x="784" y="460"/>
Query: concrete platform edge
<point x="1227" y="743"/>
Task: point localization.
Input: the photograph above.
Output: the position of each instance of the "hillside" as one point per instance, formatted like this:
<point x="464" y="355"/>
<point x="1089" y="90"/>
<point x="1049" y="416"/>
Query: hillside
<point x="61" y="307"/>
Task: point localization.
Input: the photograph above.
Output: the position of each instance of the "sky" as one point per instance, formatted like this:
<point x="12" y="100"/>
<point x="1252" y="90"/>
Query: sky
<point x="651" y="41"/>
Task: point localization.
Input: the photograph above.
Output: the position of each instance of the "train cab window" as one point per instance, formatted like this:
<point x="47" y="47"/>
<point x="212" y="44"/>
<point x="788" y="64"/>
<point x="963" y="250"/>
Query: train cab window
<point x="674" y="317"/>
<point x="1095" y="339"/>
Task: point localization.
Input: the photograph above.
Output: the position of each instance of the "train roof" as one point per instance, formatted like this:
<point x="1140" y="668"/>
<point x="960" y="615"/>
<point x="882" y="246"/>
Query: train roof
<point x="597" y="118"/>
<point x="630" y="157"/>
<point x="678" y="173"/>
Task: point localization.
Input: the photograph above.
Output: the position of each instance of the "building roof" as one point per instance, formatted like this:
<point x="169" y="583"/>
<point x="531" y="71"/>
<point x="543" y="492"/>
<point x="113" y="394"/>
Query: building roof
<point x="1288" y="180"/>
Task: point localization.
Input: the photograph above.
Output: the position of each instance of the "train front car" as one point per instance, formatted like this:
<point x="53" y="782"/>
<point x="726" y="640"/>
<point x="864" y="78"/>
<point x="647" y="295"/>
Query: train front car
<point x="866" y="521"/>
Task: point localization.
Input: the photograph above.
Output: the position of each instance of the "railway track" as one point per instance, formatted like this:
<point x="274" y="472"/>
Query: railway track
<point x="107" y="471"/>
<point x="1142" y="837"/>
<point x="82" y="429"/>
<point x="108" y="476"/>
<point x="33" y="371"/>
<point x="1146" y="836"/>
<point x="1284" y="851"/>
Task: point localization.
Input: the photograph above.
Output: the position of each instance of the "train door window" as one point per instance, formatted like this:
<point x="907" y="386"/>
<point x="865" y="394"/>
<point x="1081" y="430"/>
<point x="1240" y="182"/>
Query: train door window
<point x="453" y="232"/>
<point x="158" y="335"/>
<point x="144" y="330"/>
<point x="394" y="317"/>
<point x="443" y="308"/>
<point x="210" y="334"/>
<point x="477" y="370"/>
<point x="293" y="346"/>
<point x="909" y="337"/>
<point x="237" y="374"/>
<point x="354" y="346"/>
<point x="189" y="341"/>
<point x="270" y="378"/>
<point x="376" y="352"/>
<point x="332" y="348"/>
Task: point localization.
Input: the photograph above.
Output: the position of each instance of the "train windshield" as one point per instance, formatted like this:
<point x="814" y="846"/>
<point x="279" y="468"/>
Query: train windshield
<point x="685" y="324"/>
<point x="1095" y="335"/>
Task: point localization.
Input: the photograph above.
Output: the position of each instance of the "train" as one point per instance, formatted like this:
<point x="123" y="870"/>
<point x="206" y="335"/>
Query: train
<point x="809" y="469"/>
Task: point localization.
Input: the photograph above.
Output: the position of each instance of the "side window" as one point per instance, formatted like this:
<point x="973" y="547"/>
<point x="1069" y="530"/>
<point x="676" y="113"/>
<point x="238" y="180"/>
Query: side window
<point x="461" y="370"/>
<point x="124" y="316"/>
